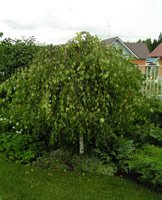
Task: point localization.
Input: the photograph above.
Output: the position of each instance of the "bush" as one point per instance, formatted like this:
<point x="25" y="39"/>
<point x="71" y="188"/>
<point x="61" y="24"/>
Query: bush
<point x="92" y="165"/>
<point x="146" y="164"/>
<point x="56" y="159"/>
<point x="145" y="133"/>
<point x="123" y="149"/>
<point x="15" y="54"/>
<point x="156" y="116"/>
<point x="64" y="160"/>
<point x="23" y="148"/>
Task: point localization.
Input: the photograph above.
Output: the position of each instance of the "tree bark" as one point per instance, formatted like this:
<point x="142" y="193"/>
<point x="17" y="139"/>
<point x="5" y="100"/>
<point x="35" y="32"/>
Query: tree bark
<point x="81" y="144"/>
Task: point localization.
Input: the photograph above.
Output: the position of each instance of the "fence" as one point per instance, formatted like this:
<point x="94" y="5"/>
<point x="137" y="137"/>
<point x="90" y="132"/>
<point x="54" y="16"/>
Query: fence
<point x="153" y="80"/>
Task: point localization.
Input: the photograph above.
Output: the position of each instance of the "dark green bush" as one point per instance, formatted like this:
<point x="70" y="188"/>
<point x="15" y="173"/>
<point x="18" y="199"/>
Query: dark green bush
<point x="17" y="146"/>
<point x="92" y="165"/>
<point x="123" y="149"/>
<point x="156" y="116"/>
<point x="58" y="159"/>
<point x="145" y="133"/>
<point x="146" y="163"/>
<point x="15" y="54"/>
<point x="62" y="159"/>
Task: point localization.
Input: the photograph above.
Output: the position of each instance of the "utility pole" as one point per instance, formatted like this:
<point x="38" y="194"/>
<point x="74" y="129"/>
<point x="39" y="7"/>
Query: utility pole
<point x="108" y="27"/>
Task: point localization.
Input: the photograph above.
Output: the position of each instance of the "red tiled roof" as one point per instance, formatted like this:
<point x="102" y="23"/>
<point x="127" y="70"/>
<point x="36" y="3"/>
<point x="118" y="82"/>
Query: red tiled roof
<point x="157" y="52"/>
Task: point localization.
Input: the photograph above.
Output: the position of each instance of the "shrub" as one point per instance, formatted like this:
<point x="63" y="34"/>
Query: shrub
<point x="65" y="160"/>
<point x="92" y="165"/>
<point x="145" y="133"/>
<point x="15" y="54"/>
<point x="23" y="148"/>
<point x="56" y="159"/>
<point x="146" y="164"/>
<point x="157" y="114"/>
<point x="123" y="149"/>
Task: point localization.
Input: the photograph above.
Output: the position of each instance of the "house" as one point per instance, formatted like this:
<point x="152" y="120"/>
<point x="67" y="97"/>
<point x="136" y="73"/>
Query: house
<point x="157" y="54"/>
<point x="138" y="51"/>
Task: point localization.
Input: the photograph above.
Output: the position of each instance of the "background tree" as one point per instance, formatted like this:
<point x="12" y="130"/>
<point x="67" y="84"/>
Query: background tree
<point x="155" y="43"/>
<point x="152" y="44"/>
<point x="15" y="54"/>
<point x="149" y="44"/>
<point x="1" y="34"/>
<point x="160" y="38"/>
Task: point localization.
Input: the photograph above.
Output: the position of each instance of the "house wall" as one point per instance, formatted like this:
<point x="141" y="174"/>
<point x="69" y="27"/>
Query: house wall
<point x="160" y="61"/>
<point x="160" y="68"/>
<point x="141" y="64"/>
<point x="125" y="52"/>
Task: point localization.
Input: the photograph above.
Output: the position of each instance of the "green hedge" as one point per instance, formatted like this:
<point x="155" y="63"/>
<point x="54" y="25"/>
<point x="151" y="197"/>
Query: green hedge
<point x="146" y="163"/>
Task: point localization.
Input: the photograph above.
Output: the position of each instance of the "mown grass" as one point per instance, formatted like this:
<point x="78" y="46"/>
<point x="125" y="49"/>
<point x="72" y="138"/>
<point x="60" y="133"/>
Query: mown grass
<point x="19" y="182"/>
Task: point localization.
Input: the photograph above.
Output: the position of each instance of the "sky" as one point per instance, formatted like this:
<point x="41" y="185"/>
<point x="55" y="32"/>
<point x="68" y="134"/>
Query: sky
<point x="57" y="21"/>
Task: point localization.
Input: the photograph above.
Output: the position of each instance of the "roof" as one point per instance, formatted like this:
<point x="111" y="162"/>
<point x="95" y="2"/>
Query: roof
<point x="109" y="41"/>
<point x="139" y="50"/>
<point x="157" y="52"/>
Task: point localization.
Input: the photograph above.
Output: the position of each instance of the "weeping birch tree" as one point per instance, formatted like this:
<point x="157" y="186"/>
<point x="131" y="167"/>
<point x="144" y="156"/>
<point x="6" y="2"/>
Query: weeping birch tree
<point x="78" y="95"/>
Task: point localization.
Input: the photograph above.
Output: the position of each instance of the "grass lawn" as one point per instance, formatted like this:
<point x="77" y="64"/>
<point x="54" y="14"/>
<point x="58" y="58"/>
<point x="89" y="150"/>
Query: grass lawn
<point x="18" y="182"/>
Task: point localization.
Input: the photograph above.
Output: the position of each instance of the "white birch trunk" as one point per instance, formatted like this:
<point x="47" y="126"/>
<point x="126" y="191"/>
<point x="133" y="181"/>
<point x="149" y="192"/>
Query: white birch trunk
<point x="81" y="144"/>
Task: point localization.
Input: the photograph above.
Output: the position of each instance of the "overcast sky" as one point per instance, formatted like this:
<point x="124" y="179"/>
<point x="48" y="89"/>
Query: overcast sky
<point x="56" y="21"/>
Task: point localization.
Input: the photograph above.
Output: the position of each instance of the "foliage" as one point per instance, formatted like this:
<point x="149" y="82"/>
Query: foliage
<point x="123" y="155"/>
<point x="20" y="147"/>
<point x="1" y="34"/>
<point x="152" y="44"/>
<point x="124" y="148"/>
<point x="15" y="54"/>
<point x="157" y="113"/>
<point x="80" y="88"/>
<point x="56" y="159"/>
<point x="64" y="160"/>
<point x="145" y="133"/>
<point x="147" y="165"/>
<point x="147" y="128"/>
<point x="92" y="165"/>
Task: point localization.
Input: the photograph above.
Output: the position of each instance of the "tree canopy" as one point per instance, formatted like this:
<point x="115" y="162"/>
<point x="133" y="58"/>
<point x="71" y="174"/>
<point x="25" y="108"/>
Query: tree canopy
<point x="152" y="44"/>
<point x="15" y="54"/>
<point x="80" y="88"/>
